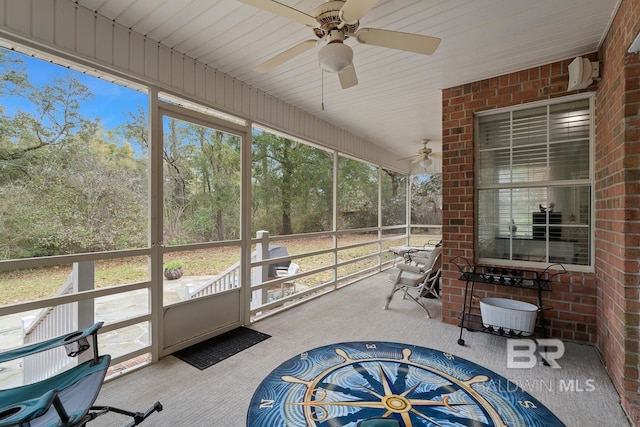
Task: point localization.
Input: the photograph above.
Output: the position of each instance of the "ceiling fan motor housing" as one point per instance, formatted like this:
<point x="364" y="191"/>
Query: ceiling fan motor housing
<point x="328" y="17"/>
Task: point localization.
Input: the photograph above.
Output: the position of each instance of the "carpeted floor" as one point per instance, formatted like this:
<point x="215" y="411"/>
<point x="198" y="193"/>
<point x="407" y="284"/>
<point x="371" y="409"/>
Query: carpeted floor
<point x="220" y="395"/>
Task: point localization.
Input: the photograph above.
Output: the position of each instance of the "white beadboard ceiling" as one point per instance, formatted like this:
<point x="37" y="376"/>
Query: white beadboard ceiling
<point x="397" y="102"/>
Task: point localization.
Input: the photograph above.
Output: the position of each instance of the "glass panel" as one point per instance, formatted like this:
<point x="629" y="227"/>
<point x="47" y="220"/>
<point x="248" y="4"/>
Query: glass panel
<point x="514" y="224"/>
<point x="360" y="251"/>
<point x="569" y="120"/>
<point x="550" y="223"/>
<point x="123" y="341"/>
<point x="292" y="186"/>
<point x="426" y="199"/>
<point x="37" y="283"/>
<point x="494" y="131"/>
<point x="494" y="166"/>
<point x="529" y="126"/>
<point x="32" y="284"/>
<point x="530" y="164"/>
<point x="13" y="327"/>
<point x="196" y="273"/>
<point x="569" y="160"/>
<point x="122" y="306"/>
<point x="488" y="222"/>
<point x="201" y="183"/>
<point x="421" y="236"/>
<point x="394" y="198"/>
<point x="353" y="238"/>
<point x="357" y="194"/>
<point x="355" y="268"/>
<point x="71" y="181"/>
<point x="121" y="271"/>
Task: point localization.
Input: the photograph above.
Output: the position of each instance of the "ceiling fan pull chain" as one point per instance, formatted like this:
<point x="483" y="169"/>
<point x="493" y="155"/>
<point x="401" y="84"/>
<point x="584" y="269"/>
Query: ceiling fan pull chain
<point x="322" y="89"/>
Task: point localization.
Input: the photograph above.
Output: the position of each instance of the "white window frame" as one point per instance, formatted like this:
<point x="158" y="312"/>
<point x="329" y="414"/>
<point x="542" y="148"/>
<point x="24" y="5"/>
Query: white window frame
<point x="591" y="179"/>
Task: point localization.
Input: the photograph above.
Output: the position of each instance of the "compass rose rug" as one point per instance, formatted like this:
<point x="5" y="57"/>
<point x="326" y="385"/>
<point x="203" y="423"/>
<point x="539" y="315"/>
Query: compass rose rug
<point x="342" y="384"/>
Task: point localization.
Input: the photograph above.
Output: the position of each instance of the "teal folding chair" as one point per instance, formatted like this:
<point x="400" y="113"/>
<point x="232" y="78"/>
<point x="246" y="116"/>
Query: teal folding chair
<point x="65" y="399"/>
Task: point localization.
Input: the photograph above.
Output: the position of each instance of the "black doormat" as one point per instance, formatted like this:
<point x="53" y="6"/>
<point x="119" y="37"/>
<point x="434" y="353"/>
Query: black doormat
<point x="209" y="352"/>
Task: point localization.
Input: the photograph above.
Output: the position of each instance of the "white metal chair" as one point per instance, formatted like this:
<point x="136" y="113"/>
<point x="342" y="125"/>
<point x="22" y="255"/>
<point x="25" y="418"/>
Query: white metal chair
<point x="288" y="271"/>
<point x="420" y="277"/>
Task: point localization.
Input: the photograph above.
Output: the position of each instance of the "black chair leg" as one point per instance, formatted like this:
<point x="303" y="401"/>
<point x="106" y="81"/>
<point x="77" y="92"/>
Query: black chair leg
<point x="138" y="417"/>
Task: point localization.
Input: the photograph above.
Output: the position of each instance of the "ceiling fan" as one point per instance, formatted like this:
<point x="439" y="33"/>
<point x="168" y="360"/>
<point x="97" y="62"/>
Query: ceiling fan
<point x="335" y="21"/>
<point x="424" y="155"/>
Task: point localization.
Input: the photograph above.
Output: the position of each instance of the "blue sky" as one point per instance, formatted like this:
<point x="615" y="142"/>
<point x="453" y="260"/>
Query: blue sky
<point x="110" y="101"/>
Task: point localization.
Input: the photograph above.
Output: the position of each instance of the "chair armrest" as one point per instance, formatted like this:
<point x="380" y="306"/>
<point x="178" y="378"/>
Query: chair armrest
<point x="411" y="268"/>
<point x="419" y="260"/>
<point x="24" y="411"/>
<point x="50" y="343"/>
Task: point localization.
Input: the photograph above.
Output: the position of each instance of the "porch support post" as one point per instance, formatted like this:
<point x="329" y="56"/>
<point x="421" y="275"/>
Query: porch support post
<point x="260" y="273"/>
<point x="84" y="280"/>
<point x="84" y="274"/>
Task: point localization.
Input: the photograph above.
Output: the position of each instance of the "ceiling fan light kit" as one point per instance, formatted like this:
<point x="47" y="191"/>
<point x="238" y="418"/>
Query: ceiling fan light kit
<point x="335" y="56"/>
<point x="423" y="158"/>
<point x="425" y="163"/>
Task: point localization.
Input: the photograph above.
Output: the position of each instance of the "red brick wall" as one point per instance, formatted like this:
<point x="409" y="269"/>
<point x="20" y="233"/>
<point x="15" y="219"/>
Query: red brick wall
<point x="573" y="300"/>
<point x="618" y="205"/>
<point x="601" y="308"/>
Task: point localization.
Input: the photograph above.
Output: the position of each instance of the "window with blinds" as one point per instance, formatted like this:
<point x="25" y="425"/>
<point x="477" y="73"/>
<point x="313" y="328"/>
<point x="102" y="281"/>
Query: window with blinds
<point x="534" y="183"/>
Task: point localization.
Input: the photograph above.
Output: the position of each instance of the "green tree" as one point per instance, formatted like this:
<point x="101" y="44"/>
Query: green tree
<point x="394" y="198"/>
<point x="89" y="197"/>
<point x="65" y="187"/>
<point x="291" y="185"/>
<point x="53" y="121"/>
<point x="426" y="199"/>
<point x="215" y="213"/>
<point x="357" y="194"/>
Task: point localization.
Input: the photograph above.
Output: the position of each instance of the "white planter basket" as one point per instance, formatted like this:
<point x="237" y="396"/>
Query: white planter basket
<point x="508" y="314"/>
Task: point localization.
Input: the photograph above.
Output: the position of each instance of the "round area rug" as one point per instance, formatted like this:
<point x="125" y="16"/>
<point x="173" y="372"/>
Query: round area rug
<point x="342" y="384"/>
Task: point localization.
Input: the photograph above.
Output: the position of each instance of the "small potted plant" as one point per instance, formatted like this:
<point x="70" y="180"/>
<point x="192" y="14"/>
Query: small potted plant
<point x="173" y="270"/>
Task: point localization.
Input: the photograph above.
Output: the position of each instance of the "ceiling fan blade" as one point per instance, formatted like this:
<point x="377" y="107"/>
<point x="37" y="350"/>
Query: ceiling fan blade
<point x="283" y="10"/>
<point x="397" y="40"/>
<point x="417" y="159"/>
<point x="348" y="77"/>
<point x="354" y="10"/>
<point x="405" y="158"/>
<point x="283" y="57"/>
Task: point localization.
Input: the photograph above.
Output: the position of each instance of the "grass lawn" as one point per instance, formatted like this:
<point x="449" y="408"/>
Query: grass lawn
<point x="32" y="284"/>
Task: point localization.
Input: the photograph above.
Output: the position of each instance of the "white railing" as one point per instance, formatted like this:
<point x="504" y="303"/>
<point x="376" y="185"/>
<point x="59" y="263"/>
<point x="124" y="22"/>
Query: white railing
<point x="49" y="323"/>
<point x="228" y="279"/>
